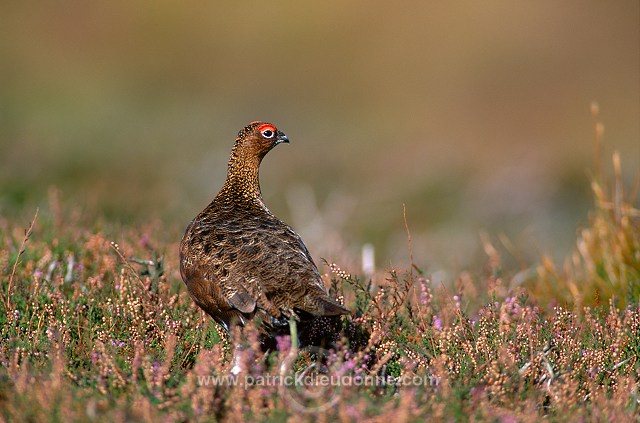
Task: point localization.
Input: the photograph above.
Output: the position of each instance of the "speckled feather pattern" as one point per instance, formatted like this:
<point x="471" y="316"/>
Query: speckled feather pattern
<point x="239" y="261"/>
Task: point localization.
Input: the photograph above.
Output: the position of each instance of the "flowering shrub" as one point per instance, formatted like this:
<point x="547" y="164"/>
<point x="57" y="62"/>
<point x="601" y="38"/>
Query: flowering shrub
<point x="93" y="330"/>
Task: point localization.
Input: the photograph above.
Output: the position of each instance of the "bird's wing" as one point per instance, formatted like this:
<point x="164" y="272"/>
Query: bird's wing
<point x="242" y="301"/>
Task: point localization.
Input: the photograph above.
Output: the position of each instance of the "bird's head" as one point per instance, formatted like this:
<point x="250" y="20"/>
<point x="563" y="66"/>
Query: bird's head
<point x="259" y="137"/>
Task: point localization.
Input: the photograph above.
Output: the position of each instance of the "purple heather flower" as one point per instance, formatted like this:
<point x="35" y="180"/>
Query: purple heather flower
<point x="437" y="322"/>
<point x="144" y="241"/>
<point x="348" y="365"/>
<point x="283" y="343"/>
<point x="424" y="291"/>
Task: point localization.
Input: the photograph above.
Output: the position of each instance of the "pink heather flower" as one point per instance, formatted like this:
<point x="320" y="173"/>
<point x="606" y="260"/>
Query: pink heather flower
<point x="437" y="322"/>
<point x="349" y="365"/>
<point x="456" y="298"/>
<point x="144" y="241"/>
<point x="425" y="295"/>
<point x="283" y="343"/>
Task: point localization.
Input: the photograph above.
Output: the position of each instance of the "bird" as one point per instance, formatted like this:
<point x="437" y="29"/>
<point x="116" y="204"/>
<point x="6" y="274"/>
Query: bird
<point x="241" y="263"/>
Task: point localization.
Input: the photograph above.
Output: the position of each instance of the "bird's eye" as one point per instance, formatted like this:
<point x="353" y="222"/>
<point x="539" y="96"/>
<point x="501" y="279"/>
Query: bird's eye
<point x="267" y="130"/>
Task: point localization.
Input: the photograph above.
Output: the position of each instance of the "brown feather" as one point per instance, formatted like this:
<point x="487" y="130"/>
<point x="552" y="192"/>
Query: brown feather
<point x="238" y="260"/>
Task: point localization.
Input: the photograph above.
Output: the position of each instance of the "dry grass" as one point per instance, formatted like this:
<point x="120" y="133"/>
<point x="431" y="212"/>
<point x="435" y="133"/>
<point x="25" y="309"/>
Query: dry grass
<point x="87" y="333"/>
<point x="606" y="261"/>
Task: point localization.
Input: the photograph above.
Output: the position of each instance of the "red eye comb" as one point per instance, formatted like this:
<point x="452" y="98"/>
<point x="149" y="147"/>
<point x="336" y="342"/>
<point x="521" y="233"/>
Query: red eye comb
<point x="267" y="126"/>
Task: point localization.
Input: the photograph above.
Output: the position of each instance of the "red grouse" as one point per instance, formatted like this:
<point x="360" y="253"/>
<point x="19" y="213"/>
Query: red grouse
<point x="240" y="262"/>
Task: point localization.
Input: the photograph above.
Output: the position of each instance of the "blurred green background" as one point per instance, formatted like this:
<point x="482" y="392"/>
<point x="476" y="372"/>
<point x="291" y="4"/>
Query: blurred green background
<point x="474" y="115"/>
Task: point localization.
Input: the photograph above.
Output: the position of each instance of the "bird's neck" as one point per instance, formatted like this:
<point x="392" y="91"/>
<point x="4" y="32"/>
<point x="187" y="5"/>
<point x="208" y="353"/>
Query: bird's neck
<point x="243" y="179"/>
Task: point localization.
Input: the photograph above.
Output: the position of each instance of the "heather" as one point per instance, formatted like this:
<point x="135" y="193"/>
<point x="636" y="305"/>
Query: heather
<point x="96" y="325"/>
<point x="447" y="143"/>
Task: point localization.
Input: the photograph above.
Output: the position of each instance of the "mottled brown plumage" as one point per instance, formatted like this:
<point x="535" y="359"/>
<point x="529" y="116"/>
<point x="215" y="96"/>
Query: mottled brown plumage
<point x="239" y="261"/>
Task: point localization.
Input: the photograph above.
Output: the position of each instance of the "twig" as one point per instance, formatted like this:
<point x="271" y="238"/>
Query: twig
<point x="140" y="261"/>
<point x="27" y="234"/>
<point x="116" y="248"/>
<point x="617" y="191"/>
<point x="293" y="353"/>
<point x="622" y="363"/>
<point x="598" y="131"/>
<point x="293" y="328"/>
<point x="406" y="226"/>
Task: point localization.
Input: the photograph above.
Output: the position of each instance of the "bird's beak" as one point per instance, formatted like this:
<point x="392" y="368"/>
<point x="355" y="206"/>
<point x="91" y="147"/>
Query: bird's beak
<point x="281" y="137"/>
